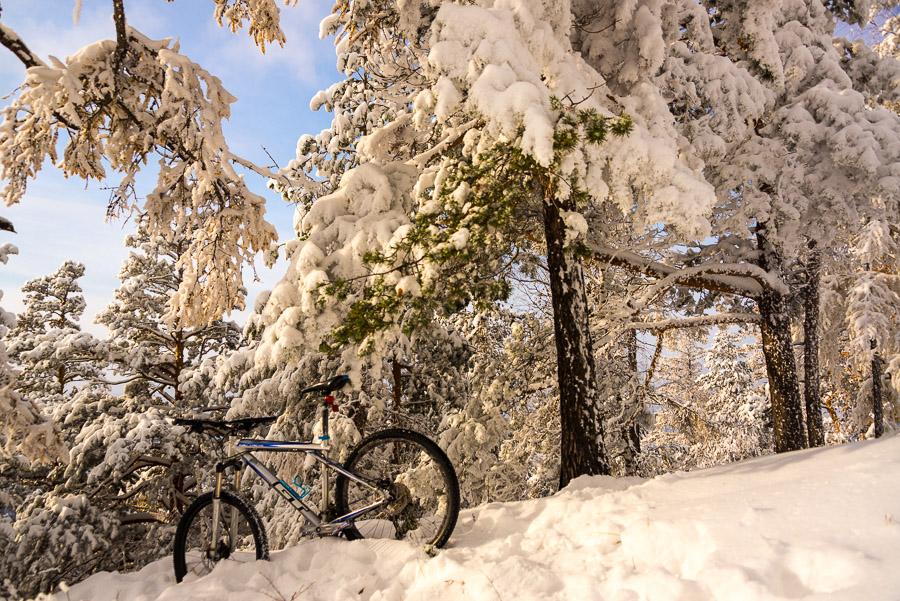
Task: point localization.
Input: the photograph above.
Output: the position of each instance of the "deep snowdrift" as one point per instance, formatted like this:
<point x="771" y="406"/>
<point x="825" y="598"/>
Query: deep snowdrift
<point x="820" y="524"/>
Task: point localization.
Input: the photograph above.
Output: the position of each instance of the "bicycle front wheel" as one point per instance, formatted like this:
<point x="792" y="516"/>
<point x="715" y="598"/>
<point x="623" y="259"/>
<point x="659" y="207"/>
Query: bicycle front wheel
<point x="240" y="535"/>
<point x="412" y="479"/>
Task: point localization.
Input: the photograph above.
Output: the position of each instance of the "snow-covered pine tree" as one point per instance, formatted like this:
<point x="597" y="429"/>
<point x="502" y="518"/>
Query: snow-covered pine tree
<point x="861" y="321"/>
<point x="145" y="343"/>
<point x="670" y="382"/>
<point x="736" y="407"/>
<point x="491" y="168"/>
<point x="788" y="126"/>
<point x="504" y="439"/>
<point x="25" y="432"/>
<point x="131" y="471"/>
<point x="712" y="407"/>
<point x="30" y="443"/>
<point x="47" y="342"/>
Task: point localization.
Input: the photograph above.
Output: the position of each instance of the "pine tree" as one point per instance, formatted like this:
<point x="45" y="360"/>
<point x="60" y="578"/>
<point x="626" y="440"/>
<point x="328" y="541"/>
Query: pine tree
<point x="789" y="125"/>
<point x="144" y="343"/>
<point x="24" y="430"/>
<point x="712" y="409"/>
<point x="736" y="410"/>
<point x="504" y="439"/>
<point x="473" y="167"/>
<point x="131" y="471"/>
<point x="47" y="342"/>
<point x="861" y="309"/>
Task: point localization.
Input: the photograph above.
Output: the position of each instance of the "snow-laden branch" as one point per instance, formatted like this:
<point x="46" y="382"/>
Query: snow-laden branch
<point x="700" y="321"/>
<point x="688" y="274"/>
<point x="742" y="279"/>
<point x="276" y="175"/>
<point x="143" y="517"/>
<point x="452" y="138"/>
<point x="160" y="102"/>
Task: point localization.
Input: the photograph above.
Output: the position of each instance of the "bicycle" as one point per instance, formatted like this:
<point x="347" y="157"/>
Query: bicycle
<point x="396" y="484"/>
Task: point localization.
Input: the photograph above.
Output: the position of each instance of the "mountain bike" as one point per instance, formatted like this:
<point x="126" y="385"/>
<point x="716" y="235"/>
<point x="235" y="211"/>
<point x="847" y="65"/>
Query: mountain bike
<point x="395" y="484"/>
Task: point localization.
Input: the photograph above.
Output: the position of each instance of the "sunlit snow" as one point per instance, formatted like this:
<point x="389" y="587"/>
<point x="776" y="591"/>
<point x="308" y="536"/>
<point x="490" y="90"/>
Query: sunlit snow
<point x="820" y="524"/>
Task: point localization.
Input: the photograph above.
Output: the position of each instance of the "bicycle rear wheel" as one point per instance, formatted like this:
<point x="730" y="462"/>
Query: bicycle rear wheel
<point x="415" y="478"/>
<point x="240" y="536"/>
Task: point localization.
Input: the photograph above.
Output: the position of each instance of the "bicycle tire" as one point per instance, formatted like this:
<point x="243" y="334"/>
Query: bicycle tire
<point x="248" y="542"/>
<point x="417" y="477"/>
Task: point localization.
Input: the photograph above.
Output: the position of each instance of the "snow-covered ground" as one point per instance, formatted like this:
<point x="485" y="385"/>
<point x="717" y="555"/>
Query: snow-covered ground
<point x="820" y="524"/>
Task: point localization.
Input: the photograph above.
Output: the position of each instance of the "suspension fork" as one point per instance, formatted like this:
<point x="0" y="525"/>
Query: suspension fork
<point x="217" y="507"/>
<point x="217" y="501"/>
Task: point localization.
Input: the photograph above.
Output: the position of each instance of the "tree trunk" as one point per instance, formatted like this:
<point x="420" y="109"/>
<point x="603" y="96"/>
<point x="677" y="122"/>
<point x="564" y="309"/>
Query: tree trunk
<point x="61" y="378"/>
<point x="634" y="431"/>
<point x="777" y="346"/>
<point x="814" y="427"/>
<point x="397" y="392"/>
<point x="582" y="450"/>
<point x="179" y="367"/>
<point x="631" y="342"/>
<point x="877" y="394"/>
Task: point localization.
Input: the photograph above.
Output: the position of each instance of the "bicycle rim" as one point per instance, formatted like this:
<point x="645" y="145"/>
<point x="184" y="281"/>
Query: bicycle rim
<point x="239" y="536"/>
<point x="417" y="481"/>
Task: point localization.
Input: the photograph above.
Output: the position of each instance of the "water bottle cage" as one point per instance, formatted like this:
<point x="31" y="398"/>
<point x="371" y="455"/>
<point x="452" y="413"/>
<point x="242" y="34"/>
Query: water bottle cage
<point x="303" y="488"/>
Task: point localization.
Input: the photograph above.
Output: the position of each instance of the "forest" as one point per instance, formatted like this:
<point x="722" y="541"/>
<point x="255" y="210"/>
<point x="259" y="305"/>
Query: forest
<point x="586" y="237"/>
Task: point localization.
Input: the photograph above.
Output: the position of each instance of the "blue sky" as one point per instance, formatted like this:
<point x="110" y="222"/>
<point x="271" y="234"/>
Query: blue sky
<point x="62" y="219"/>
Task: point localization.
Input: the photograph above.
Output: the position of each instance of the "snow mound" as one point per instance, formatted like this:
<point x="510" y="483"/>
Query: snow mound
<point x="818" y="524"/>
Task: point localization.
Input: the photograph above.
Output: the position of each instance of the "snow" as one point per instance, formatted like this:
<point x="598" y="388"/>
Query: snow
<point x="818" y="524"/>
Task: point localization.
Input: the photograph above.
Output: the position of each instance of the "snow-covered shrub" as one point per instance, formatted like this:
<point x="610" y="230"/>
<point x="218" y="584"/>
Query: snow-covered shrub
<point x="115" y="505"/>
<point x="54" y="539"/>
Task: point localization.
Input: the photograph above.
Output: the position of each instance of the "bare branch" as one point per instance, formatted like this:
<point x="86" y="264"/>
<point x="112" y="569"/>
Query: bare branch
<point x="121" y="33"/>
<point x="14" y="43"/>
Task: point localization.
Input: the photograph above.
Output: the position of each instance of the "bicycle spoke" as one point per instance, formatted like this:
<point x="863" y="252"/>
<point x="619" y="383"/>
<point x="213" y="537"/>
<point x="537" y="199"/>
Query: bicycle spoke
<point x="238" y="536"/>
<point x="416" y="480"/>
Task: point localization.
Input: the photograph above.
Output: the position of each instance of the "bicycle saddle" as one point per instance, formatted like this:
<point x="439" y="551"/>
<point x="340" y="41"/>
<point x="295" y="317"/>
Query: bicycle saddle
<point x="328" y="386"/>
<point x="236" y="426"/>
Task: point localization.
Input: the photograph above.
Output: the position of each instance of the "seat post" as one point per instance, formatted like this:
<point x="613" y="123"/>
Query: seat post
<point x="326" y="406"/>
<point x="325" y="437"/>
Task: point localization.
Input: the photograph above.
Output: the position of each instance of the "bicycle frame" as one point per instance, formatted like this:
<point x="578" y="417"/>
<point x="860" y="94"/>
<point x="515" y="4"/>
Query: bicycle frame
<point x="318" y="451"/>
